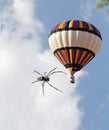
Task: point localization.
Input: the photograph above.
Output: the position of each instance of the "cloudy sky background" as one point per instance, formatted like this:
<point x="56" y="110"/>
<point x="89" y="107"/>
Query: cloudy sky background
<point x="25" y="26"/>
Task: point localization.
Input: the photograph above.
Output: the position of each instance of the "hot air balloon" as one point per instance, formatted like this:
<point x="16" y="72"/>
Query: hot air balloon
<point x="74" y="43"/>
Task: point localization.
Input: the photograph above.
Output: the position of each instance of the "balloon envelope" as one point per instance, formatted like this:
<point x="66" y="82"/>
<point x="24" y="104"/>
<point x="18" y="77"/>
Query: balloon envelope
<point x="74" y="43"/>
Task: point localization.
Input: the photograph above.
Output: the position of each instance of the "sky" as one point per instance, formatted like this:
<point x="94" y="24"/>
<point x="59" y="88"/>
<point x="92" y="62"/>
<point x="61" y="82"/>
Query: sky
<point x="24" y="29"/>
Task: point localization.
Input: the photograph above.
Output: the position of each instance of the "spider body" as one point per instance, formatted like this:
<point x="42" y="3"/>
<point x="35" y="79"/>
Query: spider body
<point x="46" y="78"/>
<point x="43" y="78"/>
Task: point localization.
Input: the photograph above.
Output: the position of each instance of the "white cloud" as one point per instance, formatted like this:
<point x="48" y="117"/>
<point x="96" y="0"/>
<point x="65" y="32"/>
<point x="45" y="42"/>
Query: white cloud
<point x="87" y="10"/>
<point x="22" y="106"/>
<point x="103" y="104"/>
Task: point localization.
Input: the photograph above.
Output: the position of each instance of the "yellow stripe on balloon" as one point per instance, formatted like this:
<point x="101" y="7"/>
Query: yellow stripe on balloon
<point x="71" y="23"/>
<point x="90" y="26"/>
<point x="81" y="24"/>
<point x="62" y="25"/>
<point x="71" y="56"/>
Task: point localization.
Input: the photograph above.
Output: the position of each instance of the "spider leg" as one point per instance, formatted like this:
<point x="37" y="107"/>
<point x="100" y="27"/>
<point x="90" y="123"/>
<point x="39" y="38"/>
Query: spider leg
<point x="35" y="81"/>
<point x="43" y="88"/>
<point x="37" y="72"/>
<point x="55" y="87"/>
<point x="51" y="70"/>
<point x="56" y="72"/>
<point x="45" y="73"/>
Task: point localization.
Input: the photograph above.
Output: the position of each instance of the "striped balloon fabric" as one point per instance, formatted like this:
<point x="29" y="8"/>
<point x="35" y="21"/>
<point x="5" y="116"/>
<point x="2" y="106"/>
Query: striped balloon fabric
<point x="74" y="43"/>
<point x="76" y="25"/>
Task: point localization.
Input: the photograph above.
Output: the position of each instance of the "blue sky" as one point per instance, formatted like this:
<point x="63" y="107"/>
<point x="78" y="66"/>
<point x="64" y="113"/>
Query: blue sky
<point x="24" y="47"/>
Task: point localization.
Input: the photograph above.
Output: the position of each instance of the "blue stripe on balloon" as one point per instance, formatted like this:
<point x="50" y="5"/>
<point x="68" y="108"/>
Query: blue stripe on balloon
<point x="67" y="24"/>
<point x="95" y="30"/>
<point x="87" y="27"/>
<point x="77" y="24"/>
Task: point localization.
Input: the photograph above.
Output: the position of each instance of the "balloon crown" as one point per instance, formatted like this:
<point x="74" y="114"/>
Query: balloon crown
<point x="76" y="25"/>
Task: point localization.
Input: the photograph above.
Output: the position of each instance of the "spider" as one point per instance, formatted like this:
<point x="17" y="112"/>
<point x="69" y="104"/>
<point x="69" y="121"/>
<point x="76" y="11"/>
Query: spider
<point x="46" y="78"/>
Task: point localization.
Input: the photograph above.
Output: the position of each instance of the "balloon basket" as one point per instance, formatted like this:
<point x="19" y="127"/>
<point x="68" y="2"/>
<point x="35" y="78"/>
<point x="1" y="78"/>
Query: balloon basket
<point x="72" y="79"/>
